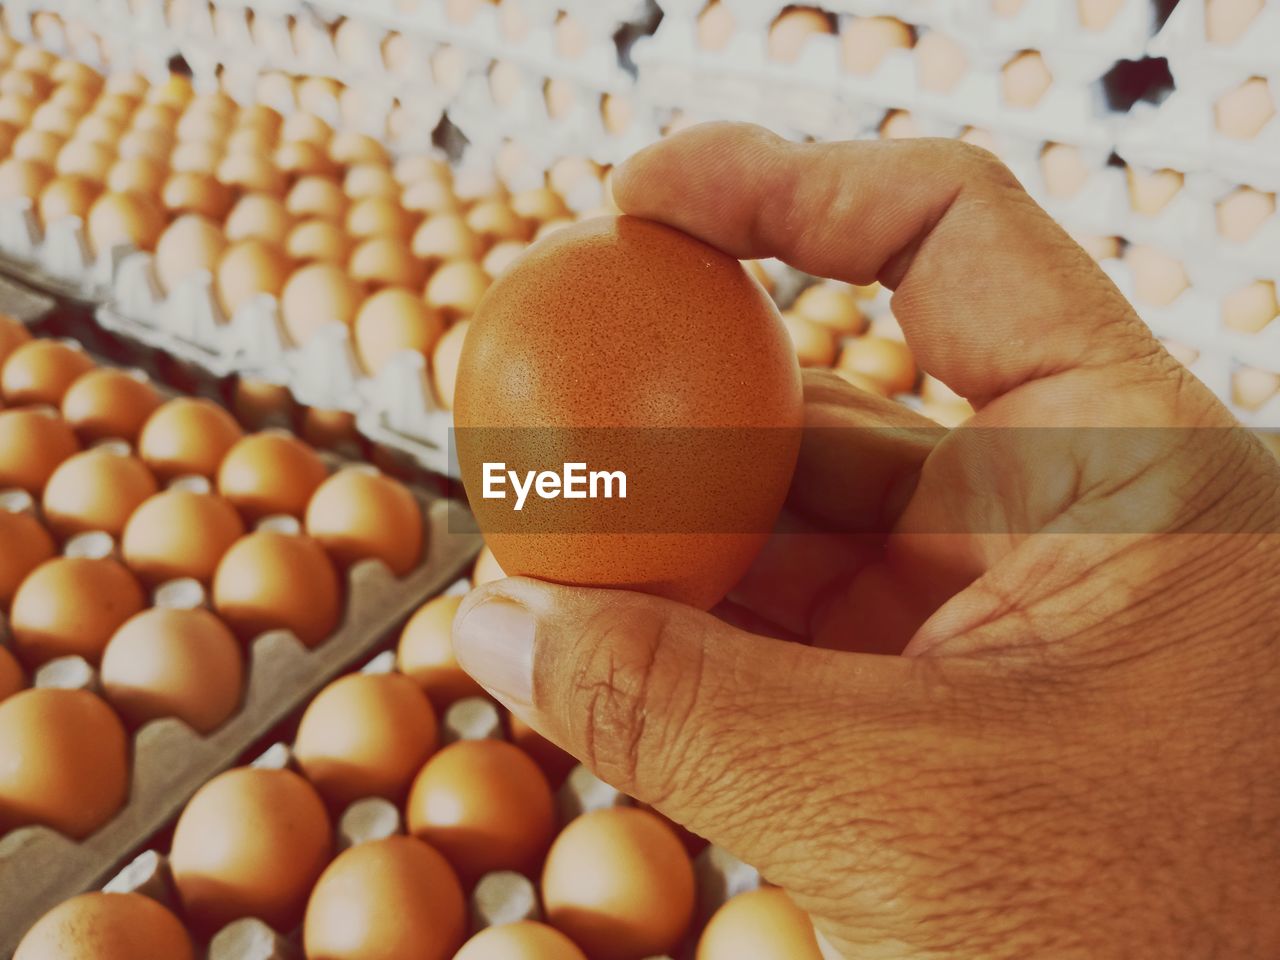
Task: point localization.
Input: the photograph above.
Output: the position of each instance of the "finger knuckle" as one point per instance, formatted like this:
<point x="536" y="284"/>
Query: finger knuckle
<point x="639" y="685"/>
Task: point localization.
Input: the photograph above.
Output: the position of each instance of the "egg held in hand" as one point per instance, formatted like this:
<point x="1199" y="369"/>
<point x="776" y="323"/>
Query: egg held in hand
<point x="629" y="346"/>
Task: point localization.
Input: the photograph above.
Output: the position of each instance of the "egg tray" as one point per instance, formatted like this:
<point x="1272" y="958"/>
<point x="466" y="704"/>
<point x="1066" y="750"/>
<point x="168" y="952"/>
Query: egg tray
<point x="1180" y="132"/>
<point x="56" y="259"/>
<point x="817" y="97"/>
<point x="396" y="408"/>
<point x="501" y="897"/>
<point x="1254" y="53"/>
<point x="111" y="35"/>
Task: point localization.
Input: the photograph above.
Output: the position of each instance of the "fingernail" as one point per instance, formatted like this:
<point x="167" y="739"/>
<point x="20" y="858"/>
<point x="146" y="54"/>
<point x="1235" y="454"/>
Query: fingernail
<point x="494" y="643"/>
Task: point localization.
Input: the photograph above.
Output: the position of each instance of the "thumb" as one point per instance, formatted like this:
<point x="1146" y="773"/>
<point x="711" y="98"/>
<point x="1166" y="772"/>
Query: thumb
<point x="745" y="740"/>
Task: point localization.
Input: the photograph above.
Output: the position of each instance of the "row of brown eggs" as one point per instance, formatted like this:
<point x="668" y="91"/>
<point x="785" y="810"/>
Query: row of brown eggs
<point x="615" y="884"/>
<point x="155" y="662"/>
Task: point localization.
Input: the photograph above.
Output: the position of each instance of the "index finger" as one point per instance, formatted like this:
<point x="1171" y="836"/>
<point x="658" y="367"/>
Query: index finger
<point x="990" y="292"/>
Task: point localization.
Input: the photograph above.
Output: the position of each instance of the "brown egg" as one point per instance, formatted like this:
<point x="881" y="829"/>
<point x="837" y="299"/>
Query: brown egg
<point x="191" y="243"/>
<point x="539" y="204"/>
<point x="173" y="663"/>
<point x="1151" y="191"/>
<point x="1250" y="308"/>
<point x="456" y="287"/>
<point x="485" y="805"/>
<point x="174" y="92"/>
<point x="179" y="533"/>
<point x="429" y="196"/>
<point x="203" y="126"/>
<point x="349" y="148"/>
<point x="101" y="128"/>
<point x="157" y="144"/>
<point x="1025" y="80"/>
<point x="425" y="654"/>
<point x="7" y="135"/>
<point x="393" y="320"/>
<point x="792" y="30"/>
<point x="301" y="159"/>
<point x="107" y="926"/>
<point x="278" y="581"/>
<point x="418" y="167"/>
<point x="12" y="335"/>
<point x="365" y="735"/>
<point x="27" y="544"/>
<point x="98" y="489"/>
<point x="502" y="255"/>
<point x="200" y="193"/>
<point x="155" y="118"/>
<point x="815" y="345"/>
<point x="303" y="127"/>
<point x="1241" y="113"/>
<point x="1158" y="278"/>
<point x="619" y="884"/>
<point x="258" y="116"/>
<point x="70" y="606"/>
<point x="142" y="175"/>
<point x="865" y="41"/>
<point x="187" y="436"/>
<point x="887" y="362"/>
<point x="444" y="362"/>
<point x="446" y="237"/>
<point x="522" y="940"/>
<point x="1242" y="213"/>
<point x="321" y="241"/>
<point x="83" y="158"/>
<point x="247" y="269"/>
<point x="55" y="118"/>
<point x="123" y="220"/>
<point x="1063" y="168"/>
<point x="195" y="158"/>
<point x="258" y="403"/>
<point x="63" y="762"/>
<point x="360" y="514"/>
<point x="1252" y="389"/>
<point x="250" y="171"/>
<point x="258" y="216"/>
<point x="329" y="429"/>
<point x="66" y="197"/>
<point x="834" y="306"/>
<point x="761" y="924"/>
<point x="32" y="444"/>
<point x="318" y="95"/>
<point x="272" y="473"/>
<point x="128" y="84"/>
<point x="317" y="196"/>
<point x="38" y="146"/>
<point x="494" y="220"/>
<point x="715" y="27"/>
<point x="72" y="74"/>
<point x="317" y="295"/>
<point x="511" y="376"/>
<point x="250" y="843"/>
<point x="24" y="83"/>
<point x="394" y="899"/>
<point x="940" y="62"/>
<point x="370" y="180"/>
<point x="386" y="262"/>
<point x="23" y="179"/>
<point x="16" y="111"/>
<point x="378" y="216"/>
<point x="41" y="371"/>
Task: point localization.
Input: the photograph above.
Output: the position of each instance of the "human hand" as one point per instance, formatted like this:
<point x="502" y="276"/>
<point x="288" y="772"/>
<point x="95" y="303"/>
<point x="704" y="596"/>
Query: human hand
<point x="1079" y="753"/>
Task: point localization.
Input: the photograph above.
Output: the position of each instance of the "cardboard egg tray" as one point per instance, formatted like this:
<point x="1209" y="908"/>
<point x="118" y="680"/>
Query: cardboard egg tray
<point x="57" y="259"/>
<point x="40" y="867"/>
<point x="501" y="897"/>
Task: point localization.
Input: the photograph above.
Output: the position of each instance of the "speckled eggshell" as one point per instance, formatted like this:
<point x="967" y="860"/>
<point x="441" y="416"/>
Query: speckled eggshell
<point x="624" y="323"/>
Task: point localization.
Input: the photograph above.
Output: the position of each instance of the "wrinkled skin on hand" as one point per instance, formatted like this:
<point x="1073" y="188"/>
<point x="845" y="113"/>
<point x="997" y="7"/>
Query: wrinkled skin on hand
<point x="1077" y="753"/>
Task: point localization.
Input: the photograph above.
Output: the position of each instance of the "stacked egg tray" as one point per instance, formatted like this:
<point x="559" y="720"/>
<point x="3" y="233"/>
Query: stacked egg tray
<point x="40" y="866"/>
<point x="1205" y="265"/>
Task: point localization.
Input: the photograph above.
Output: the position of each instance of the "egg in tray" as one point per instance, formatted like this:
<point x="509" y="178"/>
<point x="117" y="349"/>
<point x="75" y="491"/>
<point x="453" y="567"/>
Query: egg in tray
<point x="410" y="818"/>
<point x="171" y="587"/>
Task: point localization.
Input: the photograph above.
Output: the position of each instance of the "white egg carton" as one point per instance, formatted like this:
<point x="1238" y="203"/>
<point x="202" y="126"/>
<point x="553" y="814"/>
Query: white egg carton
<point x="58" y="258"/>
<point x="1181" y="133"/>
<point x="816" y="96"/>
<point x="1055" y="25"/>
<point x="40" y="867"/>
<point x="1187" y="227"/>
<point x="108" y="34"/>
<point x="1256" y="52"/>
